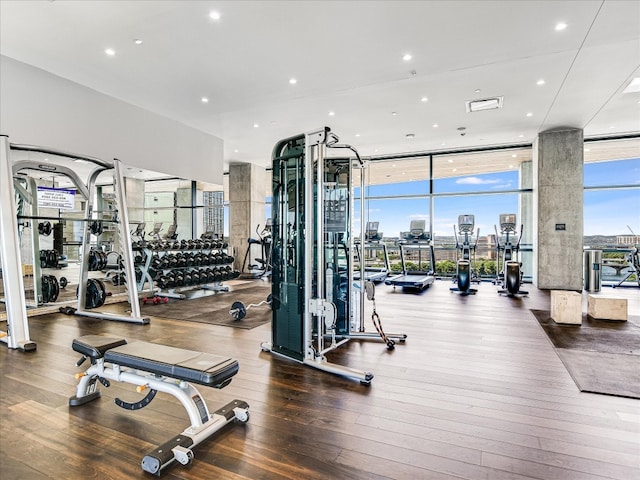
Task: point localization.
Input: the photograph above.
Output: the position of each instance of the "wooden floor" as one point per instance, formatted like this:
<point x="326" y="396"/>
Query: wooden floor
<point x="477" y="392"/>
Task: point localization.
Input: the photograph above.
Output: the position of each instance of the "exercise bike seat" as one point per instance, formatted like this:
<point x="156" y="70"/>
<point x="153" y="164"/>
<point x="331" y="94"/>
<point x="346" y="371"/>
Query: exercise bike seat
<point x="95" y="346"/>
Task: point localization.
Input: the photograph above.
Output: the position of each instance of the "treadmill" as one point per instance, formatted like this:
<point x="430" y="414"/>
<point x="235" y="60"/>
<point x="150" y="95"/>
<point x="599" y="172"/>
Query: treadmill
<point x="373" y="241"/>
<point x="415" y="239"/>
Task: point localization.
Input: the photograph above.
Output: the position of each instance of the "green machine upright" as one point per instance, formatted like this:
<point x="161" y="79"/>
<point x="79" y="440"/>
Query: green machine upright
<point x="313" y="290"/>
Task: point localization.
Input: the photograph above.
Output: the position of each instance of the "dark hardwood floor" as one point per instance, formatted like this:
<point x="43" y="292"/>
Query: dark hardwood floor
<point x="477" y="392"/>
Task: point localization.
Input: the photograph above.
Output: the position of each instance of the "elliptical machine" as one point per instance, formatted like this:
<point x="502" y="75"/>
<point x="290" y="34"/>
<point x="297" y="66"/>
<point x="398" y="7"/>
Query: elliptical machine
<point x="464" y="272"/>
<point x="261" y="269"/>
<point x="509" y="267"/>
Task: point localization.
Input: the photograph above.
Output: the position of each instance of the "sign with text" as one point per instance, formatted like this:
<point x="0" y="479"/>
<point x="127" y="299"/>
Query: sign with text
<point x="62" y="198"/>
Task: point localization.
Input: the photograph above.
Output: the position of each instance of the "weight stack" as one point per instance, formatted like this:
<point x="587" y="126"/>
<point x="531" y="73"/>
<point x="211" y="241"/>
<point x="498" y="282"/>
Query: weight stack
<point x="58" y="240"/>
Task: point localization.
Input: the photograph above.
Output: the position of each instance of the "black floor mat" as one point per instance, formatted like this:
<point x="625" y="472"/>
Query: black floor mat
<point x="601" y="356"/>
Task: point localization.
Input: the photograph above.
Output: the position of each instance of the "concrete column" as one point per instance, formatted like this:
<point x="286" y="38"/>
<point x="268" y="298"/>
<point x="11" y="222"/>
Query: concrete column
<point x="558" y="208"/>
<point x="247" y="192"/>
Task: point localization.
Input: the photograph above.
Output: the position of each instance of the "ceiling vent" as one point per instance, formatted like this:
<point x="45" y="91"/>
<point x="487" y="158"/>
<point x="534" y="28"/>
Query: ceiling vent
<point x="483" y="104"/>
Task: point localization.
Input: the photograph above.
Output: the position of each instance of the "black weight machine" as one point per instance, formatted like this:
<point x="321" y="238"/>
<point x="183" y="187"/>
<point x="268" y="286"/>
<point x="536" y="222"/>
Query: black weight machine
<point x="509" y="267"/>
<point x="317" y="304"/>
<point x="416" y="239"/>
<point x="465" y="274"/>
<point x="373" y="242"/>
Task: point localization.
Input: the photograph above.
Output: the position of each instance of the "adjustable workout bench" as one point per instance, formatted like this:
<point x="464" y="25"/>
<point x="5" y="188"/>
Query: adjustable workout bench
<point x="154" y="367"/>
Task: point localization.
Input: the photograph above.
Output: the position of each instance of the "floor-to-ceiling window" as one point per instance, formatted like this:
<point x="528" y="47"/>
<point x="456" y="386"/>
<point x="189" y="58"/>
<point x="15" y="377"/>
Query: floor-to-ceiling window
<point x="612" y="204"/>
<point x="439" y="187"/>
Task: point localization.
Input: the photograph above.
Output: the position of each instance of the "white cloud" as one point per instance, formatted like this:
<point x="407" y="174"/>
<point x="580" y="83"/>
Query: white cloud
<point x="476" y="181"/>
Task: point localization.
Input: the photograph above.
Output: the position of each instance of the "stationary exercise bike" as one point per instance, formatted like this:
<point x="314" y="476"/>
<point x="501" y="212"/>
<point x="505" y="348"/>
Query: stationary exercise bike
<point x="509" y="267"/>
<point x="464" y="271"/>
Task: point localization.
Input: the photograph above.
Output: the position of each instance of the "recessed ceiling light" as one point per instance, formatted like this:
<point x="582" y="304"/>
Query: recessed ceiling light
<point x="520" y="136"/>
<point x="612" y="127"/>
<point x="450" y="160"/>
<point x="213" y="15"/>
<point x="110" y="51"/>
<point x="357" y="134"/>
<point x="540" y="82"/>
<point x="394" y="113"/>
<point x="424" y="99"/>
<point x="293" y="81"/>
<point x="46" y="159"/>
<point x="587" y="149"/>
<point x="204" y="100"/>
<point x="454" y="170"/>
<point x="78" y="160"/>
<point x="393" y="165"/>
<point x="376" y="150"/>
<point x="477" y="90"/>
<point x="442" y="144"/>
<point x="435" y="125"/>
<point x="529" y="114"/>
<point x="561" y="26"/>
<point x="633" y="87"/>
<point x="235" y="151"/>
<point x="513" y="155"/>
<point x="255" y="125"/>
<point x="510" y="166"/>
<point x="406" y="57"/>
<point x="137" y="41"/>
<point x="331" y="114"/>
<point x="410" y="135"/>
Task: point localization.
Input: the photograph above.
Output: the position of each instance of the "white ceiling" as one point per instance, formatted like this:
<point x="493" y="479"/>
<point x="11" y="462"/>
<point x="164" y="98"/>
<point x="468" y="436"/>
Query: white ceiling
<point x="347" y="58"/>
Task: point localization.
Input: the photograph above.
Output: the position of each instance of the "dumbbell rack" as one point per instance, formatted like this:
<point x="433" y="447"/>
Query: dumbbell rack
<point x="163" y="263"/>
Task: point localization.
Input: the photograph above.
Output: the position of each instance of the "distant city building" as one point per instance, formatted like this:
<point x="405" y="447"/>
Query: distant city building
<point x="214" y="212"/>
<point x="627" y="239"/>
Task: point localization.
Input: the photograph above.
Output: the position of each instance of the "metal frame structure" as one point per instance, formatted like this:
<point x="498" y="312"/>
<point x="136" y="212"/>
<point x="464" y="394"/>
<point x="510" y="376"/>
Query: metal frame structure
<point x="314" y="303"/>
<point x="17" y="335"/>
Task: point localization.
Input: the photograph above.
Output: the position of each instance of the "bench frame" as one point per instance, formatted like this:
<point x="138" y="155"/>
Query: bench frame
<point x="203" y="423"/>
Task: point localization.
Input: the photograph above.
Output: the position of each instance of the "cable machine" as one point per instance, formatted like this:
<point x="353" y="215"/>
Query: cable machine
<point x="316" y="307"/>
<point x="14" y="178"/>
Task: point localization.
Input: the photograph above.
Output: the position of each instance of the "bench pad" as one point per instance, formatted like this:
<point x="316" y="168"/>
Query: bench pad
<point x="94" y="346"/>
<point x="191" y="366"/>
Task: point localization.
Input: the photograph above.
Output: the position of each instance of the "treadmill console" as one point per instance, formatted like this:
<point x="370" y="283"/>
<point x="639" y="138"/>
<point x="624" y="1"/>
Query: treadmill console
<point x="371" y="233"/>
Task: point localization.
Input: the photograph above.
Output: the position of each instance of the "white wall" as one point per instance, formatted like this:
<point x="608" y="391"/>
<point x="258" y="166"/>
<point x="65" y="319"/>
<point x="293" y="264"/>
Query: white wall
<point x="39" y="108"/>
